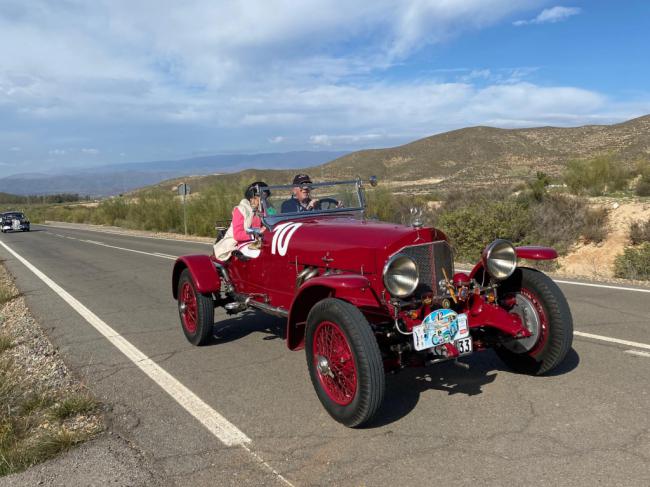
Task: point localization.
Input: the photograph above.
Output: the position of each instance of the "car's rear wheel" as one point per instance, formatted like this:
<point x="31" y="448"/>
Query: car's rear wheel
<point x="543" y="309"/>
<point x="196" y="310"/>
<point x="344" y="362"/>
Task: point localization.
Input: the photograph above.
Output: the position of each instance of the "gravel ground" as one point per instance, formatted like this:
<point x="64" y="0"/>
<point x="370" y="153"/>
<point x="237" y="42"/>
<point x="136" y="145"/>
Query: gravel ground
<point x="106" y="458"/>
<point x="35" y="358"/>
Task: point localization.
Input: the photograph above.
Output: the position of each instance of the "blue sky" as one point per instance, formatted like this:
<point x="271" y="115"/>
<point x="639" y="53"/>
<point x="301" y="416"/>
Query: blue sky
<point x="86" y="83"/>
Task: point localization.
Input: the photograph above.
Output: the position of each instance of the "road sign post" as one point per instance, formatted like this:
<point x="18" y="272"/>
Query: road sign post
<point x="184" y="190"/>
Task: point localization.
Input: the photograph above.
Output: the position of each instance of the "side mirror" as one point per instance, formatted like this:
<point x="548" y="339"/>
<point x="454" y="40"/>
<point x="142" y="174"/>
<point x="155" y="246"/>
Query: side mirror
<point x="373" y="181"/>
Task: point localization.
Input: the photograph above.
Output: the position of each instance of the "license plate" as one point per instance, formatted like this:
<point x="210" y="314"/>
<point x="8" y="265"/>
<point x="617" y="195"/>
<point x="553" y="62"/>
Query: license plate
<point x="440" y="327"/>
<point x="464" y="346"/>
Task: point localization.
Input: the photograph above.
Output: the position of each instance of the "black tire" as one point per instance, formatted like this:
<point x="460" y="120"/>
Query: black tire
<point x="544" y="302"/>
<point x="195" y="310"/>
<point x="353" y="409"/>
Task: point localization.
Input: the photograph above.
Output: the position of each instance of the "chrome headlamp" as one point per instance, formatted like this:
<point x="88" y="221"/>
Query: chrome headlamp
<point x="401" y="276"/>
<point x="500" y="259"/>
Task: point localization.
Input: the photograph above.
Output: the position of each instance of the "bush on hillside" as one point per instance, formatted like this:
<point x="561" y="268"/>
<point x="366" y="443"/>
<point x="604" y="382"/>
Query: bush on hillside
<point x="473" y="226"/>
<point x="594" y="229"/>
<point x="640" y="232"/>
<point x="559" y="221"/>
<point x="537" y="187"/>
<point x="389" y="207"/>
<point x="596" y="176"/>
<point x="634" y="263"/>
<point x="643" y="186"/>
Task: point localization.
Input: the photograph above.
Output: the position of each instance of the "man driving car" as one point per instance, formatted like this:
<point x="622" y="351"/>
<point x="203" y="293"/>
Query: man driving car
<point x="300" y="199"/>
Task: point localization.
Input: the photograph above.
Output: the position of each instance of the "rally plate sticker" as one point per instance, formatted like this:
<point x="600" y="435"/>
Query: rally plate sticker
<point x="440" y="327"/>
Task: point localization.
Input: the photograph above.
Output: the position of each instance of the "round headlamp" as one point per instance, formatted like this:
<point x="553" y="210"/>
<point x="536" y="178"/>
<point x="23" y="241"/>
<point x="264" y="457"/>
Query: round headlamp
<point x="401" y="275"/>
<point x="500" y="259"/>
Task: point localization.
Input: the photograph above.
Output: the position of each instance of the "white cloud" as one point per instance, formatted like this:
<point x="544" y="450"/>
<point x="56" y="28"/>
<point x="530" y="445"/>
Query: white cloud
<point x="551" y="15"/>
<point x="204" y="73"/>
<point x="326" y="140"/>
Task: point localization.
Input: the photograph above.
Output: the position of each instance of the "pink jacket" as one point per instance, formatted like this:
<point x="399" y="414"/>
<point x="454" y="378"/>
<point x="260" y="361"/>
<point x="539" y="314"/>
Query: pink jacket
<point x="238" y="230"/>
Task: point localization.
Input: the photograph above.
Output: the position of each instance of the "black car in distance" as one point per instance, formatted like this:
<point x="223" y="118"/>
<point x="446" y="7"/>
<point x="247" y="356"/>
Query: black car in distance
<point x="14" y="221"/>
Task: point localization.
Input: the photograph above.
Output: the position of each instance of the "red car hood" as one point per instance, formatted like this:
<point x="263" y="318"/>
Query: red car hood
<point x="348" y="243"/>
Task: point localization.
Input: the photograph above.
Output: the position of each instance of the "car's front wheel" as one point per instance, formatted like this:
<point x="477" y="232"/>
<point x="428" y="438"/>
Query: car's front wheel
<point x="543" y="309"/>
<point x="344" y="362"/>
<point x="196" y="310"/>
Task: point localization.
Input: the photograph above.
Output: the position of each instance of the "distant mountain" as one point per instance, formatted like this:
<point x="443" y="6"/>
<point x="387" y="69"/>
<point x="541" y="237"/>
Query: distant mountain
<point x="475" y="156"/>
<point x="119" y="178"/>
<point x="227" y="163"/>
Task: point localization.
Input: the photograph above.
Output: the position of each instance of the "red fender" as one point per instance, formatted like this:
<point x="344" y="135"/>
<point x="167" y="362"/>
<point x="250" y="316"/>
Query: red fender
<point x="353" y="288"/>
<point x="204" y="274"/>
<point x="529" y="252"/>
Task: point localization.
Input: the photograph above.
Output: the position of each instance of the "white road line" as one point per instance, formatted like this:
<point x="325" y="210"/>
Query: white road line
<point x="164" y="256"/>
<point x="124" y="234"/>
<point x="154" y="254"/>
<point x="587" y="284"/>
<point x="604" y="286"/>
<point x="214" y="422"/>
<point x="618" y="341"/>
<point x="638" y="352"/>
<point x="102" y="244"/>
<point x="219" y="426"/>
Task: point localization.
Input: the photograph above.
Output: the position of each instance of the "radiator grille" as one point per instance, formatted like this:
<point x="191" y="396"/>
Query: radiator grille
<point x="431" y="259"/>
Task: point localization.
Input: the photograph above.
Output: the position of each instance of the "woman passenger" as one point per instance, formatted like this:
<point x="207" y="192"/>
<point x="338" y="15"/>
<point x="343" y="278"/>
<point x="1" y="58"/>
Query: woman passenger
<point x="246" y="225"/>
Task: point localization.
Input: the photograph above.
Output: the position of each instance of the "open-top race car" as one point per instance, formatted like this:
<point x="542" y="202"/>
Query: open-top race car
<point x="364" y="297"/>
<point x="14" y="220"/>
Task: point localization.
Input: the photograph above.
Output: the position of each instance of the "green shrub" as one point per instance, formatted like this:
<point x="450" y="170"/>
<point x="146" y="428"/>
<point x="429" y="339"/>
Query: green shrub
<point x="538" y="186"/>
<point x="643" y="186"/>
<point x="596" y="176"/>
<point x="634" y="263"/>
<point x="640" y="232"/>
<point x="389" y="207"/>
<point x="473" y="226"/>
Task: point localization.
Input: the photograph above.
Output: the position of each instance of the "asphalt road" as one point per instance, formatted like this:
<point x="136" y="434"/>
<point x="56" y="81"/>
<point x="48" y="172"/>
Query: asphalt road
<point x="587" y="424"/>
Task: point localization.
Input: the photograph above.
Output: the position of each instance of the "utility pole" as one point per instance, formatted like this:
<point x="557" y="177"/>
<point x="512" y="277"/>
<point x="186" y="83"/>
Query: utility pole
<point x="184" y="190"/>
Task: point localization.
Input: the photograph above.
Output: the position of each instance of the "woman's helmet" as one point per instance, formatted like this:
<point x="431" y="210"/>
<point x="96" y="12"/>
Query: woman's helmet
<point x="255" y="188"/>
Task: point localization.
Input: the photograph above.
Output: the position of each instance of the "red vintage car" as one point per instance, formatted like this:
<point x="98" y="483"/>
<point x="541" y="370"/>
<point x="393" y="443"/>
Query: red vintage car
<point x="364" y="297"/>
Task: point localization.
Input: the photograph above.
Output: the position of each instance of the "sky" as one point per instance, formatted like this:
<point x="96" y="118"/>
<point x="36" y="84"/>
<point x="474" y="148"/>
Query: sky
<point x="85" y="83"/>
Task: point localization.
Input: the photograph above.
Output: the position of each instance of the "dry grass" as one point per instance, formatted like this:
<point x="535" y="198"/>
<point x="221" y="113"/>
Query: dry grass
<point x="39" y="419"/>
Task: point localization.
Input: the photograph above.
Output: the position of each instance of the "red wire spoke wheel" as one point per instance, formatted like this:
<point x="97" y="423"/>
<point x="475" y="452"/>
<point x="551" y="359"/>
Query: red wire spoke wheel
<point x="334" y="363"/>
<point x="344" y="362"/>
<point x="196" y="310"/>
<point x="188" y="307"/>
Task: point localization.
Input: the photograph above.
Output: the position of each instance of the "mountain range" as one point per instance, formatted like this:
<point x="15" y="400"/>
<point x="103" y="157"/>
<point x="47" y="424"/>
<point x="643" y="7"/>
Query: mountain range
<point x="120" y="178"/>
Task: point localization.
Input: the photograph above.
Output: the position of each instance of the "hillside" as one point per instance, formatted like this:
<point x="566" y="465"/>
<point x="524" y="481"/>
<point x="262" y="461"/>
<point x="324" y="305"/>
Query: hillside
<point x="485" y="153"/>
<point x="473" y="156"/>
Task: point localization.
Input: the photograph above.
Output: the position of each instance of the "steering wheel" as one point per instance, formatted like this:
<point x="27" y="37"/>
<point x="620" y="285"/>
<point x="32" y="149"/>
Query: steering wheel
<point x="327" y="204"/>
